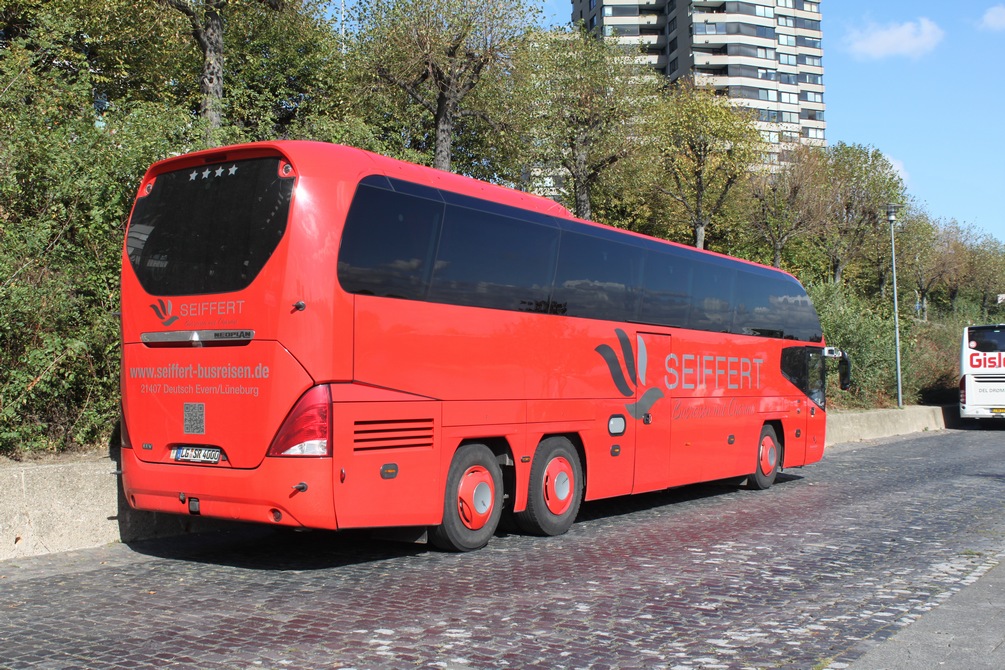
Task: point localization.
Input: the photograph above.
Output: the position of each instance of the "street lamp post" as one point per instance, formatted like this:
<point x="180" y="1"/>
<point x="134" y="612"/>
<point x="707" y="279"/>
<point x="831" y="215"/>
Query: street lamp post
<point x="891" y="216"/>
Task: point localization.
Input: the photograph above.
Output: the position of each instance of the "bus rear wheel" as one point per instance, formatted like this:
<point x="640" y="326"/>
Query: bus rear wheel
<point x="473" y="500"/>
<point x="769" y="458"/>
<point x="555" y="490"/>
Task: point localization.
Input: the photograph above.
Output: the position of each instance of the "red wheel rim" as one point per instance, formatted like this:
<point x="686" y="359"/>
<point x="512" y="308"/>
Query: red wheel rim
<point x="559" y="478"/>
<point x="768" y="456"/>
<point x="476" y="497"/>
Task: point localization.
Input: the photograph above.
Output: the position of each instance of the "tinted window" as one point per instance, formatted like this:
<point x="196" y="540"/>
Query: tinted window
<point x="387" y="244"/>
<point x="757" y="307"/>
<point x="412" y="241"/>
<point x="986" y="338"/>
<point x="805" y="368"/>
<point x="488" y="260"/>
<point x="597" y="278"/>
<point x="774" y="305"/>
<point x="209" y="229"/>
<point x="712" y="298"/>
<point x="667" y="298"/>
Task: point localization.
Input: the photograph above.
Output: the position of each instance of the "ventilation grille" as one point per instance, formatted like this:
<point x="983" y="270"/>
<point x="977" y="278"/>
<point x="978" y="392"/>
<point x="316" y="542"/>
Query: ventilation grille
<point x="396" y="434"/>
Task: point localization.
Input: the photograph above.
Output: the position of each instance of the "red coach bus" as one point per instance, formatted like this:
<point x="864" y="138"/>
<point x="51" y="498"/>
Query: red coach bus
<point x="317" y="336"/>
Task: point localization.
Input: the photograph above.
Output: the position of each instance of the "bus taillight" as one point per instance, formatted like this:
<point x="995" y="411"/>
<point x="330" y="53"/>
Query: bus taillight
<point x="963" y="390"/>
<point x="307" y="429"/>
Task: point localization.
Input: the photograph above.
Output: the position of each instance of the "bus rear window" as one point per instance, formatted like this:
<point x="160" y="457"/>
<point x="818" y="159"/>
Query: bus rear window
<point x="209" y="229"/>
<point x="986" y="338"/>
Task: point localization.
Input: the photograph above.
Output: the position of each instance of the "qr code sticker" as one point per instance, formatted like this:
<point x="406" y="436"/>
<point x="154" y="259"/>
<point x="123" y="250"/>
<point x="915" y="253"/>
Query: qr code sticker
<point x="195" y="418"/>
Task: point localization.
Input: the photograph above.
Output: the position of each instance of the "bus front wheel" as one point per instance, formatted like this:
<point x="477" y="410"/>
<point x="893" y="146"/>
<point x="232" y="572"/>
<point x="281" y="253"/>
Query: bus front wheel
<point x="769" y="458"/>
<point x="555" y="490"/>
<point x="473" y="500"/>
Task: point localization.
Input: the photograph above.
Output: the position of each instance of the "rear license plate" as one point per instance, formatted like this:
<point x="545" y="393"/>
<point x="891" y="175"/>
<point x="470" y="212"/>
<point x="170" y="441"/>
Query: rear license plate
<point x="998" y="410"/>
<point x="196" y="454"/>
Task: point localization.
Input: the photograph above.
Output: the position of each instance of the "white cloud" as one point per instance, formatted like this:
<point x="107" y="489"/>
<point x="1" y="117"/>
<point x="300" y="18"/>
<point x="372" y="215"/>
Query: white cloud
<point x="994" y="18"/>
<point x="899" y="166"/>
<point x="912" y="38"/>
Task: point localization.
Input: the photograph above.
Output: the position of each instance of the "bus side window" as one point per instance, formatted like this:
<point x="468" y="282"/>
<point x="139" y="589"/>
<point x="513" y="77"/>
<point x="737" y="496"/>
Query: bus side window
<point x="758" y="312"/>
<point x="667" y="289"/>
<point x="388" y="243"/>
<point x="712" y="298"/>
<point x="488" y="260"/>
<point x="597" y="279"/>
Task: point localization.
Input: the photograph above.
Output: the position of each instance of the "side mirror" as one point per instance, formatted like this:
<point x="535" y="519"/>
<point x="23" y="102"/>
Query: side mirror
<point x="844" y="371"/>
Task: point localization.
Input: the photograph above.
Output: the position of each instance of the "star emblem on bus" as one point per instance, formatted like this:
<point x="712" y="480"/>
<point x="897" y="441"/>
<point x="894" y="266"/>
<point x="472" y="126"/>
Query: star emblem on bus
<point x="633" y="371"/>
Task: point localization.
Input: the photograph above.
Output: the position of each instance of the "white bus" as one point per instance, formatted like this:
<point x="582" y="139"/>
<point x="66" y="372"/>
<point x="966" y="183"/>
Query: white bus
<point x="982" y="372"/>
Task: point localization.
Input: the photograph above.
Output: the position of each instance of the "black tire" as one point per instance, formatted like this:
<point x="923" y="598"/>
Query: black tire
<point x="555" y="489"/>
<point x="769" y="459"/>
<point x="472" y="502"/>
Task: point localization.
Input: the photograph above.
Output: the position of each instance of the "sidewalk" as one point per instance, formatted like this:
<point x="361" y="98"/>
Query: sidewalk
<point x="967" y="632"/>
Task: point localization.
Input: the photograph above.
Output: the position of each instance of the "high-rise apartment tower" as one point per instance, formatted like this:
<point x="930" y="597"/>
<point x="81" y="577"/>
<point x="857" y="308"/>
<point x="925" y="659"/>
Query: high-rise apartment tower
<point x="765" y="54"/>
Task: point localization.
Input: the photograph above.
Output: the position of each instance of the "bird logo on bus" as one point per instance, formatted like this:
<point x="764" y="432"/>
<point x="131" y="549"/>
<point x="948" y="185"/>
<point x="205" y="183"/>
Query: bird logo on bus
<point x="163" y="311"/>
<point x="632" y="373"/>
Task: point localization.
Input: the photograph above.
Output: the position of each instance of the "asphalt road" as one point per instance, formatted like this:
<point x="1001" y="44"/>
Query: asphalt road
<point x="812" y="573"/>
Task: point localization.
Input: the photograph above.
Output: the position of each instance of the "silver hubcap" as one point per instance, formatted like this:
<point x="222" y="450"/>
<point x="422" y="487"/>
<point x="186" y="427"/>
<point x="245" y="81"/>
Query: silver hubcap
<point x="482" y="498"/>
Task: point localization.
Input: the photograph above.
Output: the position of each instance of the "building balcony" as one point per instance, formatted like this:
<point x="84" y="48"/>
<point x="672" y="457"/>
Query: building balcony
<point x="650" y="41"/>
<point x="654" y="60"/>
<point x="652" y="20"/>
<point x="709" y="6"/>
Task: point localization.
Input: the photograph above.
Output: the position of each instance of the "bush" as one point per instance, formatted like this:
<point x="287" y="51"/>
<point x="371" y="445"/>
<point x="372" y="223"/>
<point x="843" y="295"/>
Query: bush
<point x="853" y="325"/>
<point x="67" y="189"/>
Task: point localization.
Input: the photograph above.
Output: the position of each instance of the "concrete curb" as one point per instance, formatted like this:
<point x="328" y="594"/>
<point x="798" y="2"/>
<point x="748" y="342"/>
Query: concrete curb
<point x="854" y="426"/>
<point x="77" y="503"/>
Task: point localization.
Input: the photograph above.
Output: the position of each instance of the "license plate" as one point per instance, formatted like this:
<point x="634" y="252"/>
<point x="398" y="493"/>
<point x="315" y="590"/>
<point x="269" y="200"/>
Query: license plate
<point x="998" y="410"/>
<point x="196" y="454"/>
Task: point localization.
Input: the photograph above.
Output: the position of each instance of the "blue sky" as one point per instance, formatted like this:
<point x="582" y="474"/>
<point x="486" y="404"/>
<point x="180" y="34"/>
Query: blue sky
<point x="923" y="82"/>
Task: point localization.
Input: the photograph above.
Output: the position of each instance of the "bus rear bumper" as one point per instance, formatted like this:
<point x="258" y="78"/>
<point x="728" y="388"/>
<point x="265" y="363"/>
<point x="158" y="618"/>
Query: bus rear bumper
<point x="971" y="412"/>
<point x="279" y="492"/>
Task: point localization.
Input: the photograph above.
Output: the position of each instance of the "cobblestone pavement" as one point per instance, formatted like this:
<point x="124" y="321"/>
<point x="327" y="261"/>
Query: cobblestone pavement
<point x="809" y="574"/>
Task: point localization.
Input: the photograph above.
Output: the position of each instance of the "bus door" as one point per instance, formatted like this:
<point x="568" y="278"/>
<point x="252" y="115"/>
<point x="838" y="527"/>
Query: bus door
<point x="651" y="412"/>
<point x="804" y="426"/>
<point x="796" y="427"/>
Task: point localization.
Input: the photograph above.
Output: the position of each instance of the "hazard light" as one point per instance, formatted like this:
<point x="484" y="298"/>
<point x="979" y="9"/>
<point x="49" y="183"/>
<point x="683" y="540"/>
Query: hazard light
<point x="307" y="429"/>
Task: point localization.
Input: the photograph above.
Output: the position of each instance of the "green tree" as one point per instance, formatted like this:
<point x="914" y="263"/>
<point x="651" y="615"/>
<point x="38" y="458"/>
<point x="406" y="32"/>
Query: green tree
<point x="960" y="242"/>
<point x="282" y="68"/>
<point x="987" y="270"/>
<point x="586" y="97"/>
<point x="921" y="254"/>
<point x="206" y="18"/>
<point x="438" y="51"/>
<point x="705" y="147"/>
<point x="860" y="182"/>
<point x="788" y="203"/>
<point x="73" y="148"/>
